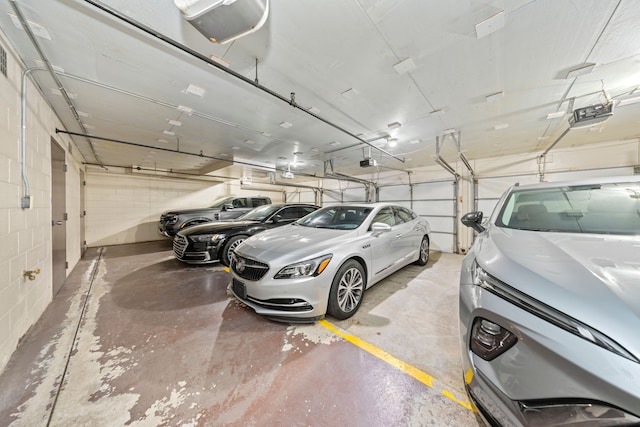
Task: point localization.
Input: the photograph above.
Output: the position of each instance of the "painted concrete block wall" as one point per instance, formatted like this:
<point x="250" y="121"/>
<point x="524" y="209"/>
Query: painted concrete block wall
<point x="26" y="233"/>
<point x="125" y="207"/>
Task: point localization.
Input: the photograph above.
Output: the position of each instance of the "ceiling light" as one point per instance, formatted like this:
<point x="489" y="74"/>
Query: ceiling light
<point x="581" y="70"/>
<point x="394" y="125"/>
<point x="220" y="60"/>
<point x="175" y="123"/>
<point x="185" y="109"/>
<point x="405" y="66"/>
<point x="267" y="134"/>
<point x="37" y="29"/>
<point x="629" y="101"/>
<point x="235" y="148"/>
<point x="414" y="141"/>
<point x="168" y="132"/>
<point x="82" y="113"/>
<point x="41" y="63"/>
<point x="393" y="142"/>
<point x="164" y="141"/>
<point x="543" y="138"/>
<point x="314" y="110"/>
<point x="438" y="112"/>
<point x="195" y="90"/>
<point x="298" y="153"/>
<point x="286" y="125"/>
<point x="494" y="96"/>
<point x="449" y="131"/>
<point x="57" y="92"/>
<point x="223" y="155"/>
<point x="349" y="93"/>
<point x="556" y="115"/>
<point x="334" y="143"/>
<point x="501" y="126"/>
<point x="249" y="142"/>
<point x="88" y="126"/>
<point x="490" y="25"/>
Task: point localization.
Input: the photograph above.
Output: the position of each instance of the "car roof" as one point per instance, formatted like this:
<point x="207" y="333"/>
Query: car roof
<point x="588" y="181"/>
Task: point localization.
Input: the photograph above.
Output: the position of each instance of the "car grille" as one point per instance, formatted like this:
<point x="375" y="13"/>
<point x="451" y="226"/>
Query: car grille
<point x="179" y="245"/>
<point x="249" y="269"/>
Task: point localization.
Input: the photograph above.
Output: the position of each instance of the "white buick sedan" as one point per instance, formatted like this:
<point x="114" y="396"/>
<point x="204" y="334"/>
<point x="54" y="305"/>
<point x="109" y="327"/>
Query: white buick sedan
<point x="325" y="261"/>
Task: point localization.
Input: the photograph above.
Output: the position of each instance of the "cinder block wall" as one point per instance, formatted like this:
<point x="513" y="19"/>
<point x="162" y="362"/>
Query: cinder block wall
<point x="26" y="233"/>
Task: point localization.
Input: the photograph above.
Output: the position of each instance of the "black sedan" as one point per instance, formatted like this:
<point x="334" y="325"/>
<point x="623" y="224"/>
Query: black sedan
<point x="215" y="241"/>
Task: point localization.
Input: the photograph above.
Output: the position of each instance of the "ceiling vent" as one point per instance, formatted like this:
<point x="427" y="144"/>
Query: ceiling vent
<point x="222" y="21"/>
<point x="591" y="115"/>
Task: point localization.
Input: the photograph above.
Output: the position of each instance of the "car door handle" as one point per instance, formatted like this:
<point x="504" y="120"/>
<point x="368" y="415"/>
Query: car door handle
<point x="56" y="222"/>
<point x="398" y="236"/>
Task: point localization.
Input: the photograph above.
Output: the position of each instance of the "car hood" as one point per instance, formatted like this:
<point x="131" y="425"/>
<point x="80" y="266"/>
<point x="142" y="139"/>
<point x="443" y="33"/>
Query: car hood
<point x="293" y="243"/>
<point x="215" y="227"/>
<point x="190" y="211"/>
<point x="592" y="278"/>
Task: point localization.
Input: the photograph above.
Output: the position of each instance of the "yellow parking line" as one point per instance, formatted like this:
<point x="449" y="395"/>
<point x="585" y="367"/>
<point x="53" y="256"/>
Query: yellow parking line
<point x="410" y="370"/>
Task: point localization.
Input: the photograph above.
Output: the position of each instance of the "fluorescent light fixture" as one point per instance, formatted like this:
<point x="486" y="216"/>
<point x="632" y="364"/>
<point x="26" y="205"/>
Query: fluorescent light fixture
<point x="41" y="63"/>
<point x="543" y="138"/>
<point x="415" y="141"/>
<point x="37" y="29"/>
<point x="82" y="113"/>
<point x="235" y="148"/>
<point x="195" y="90"/>
<point x="249" y="142"/>
<point x="175" y="123"/>
<point x="393" y="142"/>
<point x="405" y="66"/>
<point x="88" y="126"/>
<point x="490" y="25"/>
<point x="57" y="92"/>
<point x="581" y="70"/>
<point x="556" y="115"/>
<point x="494" y="96"/>
<point x="314" y="110"/>
<point x="164" y="141"/>
<point x="449" y="131"/>
<point x="185" y="109"/>
<point x="501" y="126"/>
<point x="349" y="93"/>
<point x="629" y="101"/>
<point x="394" y="125"/>
<point x="286" y="125"/>
<point x="220" y="61"/>
<point x="168" y="132"/>
<point x="334" y="143"/>
<point x="635" y="91"/>
<point x="267" y="134"/>
<point x="439" y="112"/>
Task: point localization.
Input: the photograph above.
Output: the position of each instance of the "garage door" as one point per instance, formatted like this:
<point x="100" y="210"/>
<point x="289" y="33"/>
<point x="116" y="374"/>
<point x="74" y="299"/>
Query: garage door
<point x="434" y="201"/>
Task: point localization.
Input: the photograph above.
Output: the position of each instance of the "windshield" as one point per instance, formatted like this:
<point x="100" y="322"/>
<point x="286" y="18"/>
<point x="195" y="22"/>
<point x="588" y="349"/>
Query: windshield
<point x="600" y="209"/>
<point x="258" y="214"/>
<point x="336" y="217"/>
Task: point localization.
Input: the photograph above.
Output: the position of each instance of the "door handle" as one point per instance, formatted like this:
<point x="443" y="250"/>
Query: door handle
<point x="398" y="236"/>
<point x="56" y="222"/>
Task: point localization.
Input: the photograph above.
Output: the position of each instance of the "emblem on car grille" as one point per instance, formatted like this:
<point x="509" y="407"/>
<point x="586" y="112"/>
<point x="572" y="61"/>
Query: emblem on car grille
<point x="241" y="265"/>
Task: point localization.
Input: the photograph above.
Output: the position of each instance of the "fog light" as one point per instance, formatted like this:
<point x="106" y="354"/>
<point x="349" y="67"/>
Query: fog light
<point x="489" y="340"/>
<point x="577" y="414"/>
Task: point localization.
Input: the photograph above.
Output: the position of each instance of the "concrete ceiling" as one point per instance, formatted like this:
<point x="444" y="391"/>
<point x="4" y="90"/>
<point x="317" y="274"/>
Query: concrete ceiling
<point x="340" y="72"/>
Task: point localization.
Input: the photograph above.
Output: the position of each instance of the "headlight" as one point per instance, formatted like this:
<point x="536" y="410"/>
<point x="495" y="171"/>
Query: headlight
<point x="537" y="308"/>
<point x="199" y="238"/>
<point x="312" y="267"/>
<point x="489" y="340"/>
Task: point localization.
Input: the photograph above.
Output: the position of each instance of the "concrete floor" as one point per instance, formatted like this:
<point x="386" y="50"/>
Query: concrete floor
<point x="137" y="338"/>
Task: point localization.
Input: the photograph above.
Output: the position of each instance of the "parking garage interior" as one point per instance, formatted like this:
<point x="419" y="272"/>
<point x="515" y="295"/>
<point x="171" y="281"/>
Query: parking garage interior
<point x="116" y="113"/>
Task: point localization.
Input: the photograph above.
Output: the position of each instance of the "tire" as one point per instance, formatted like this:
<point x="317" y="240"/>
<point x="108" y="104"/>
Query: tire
<point x="423" y="252"/>
<point x="347" y="290"/>
<point x="229" y="247"/>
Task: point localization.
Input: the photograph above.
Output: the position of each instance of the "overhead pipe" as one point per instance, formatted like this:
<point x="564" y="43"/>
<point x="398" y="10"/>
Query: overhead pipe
<point x="291" y="101"/>
<point x="52" y="73"/>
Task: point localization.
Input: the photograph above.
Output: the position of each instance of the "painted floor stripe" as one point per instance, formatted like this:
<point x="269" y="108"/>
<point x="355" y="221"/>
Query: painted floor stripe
<point x="410" y="370"/>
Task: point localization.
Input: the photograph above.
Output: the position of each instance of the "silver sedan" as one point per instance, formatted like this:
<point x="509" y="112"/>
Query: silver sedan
<point x="550" y="305"/>
<point x="324" y="262"/>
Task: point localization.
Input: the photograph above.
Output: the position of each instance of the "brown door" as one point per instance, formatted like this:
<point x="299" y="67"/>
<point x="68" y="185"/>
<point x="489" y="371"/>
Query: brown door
<point x="58" y="217"/>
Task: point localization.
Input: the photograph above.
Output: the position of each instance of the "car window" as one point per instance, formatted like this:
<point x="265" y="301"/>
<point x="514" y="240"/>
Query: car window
<point x="403" y="215"/>
<point x="289" y="213"/>
<point x="221" y="202"/>
<point x="336" y="217"/>
<point x="239" y="203"/>
<point x="600" y="209"/>
<point x="259" y="213"/>
<point x="260" y="201"/>
<point x="385" y="215"/>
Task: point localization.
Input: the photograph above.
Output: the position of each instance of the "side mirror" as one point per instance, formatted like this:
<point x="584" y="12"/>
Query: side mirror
<point x="227" y="206"/>
<point x="276" y="219"/>
<point x="380" y="227"/>
<point x="473" y="220"/>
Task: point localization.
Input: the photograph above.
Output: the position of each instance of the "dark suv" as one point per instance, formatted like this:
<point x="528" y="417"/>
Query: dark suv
<point x="224" y="209"/>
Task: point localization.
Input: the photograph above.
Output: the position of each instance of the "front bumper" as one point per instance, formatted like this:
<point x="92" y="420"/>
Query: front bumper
<point x="548" y="376"/>
<point x="287" y="300"/>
